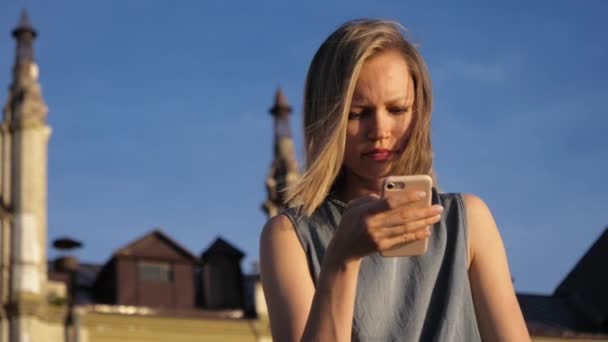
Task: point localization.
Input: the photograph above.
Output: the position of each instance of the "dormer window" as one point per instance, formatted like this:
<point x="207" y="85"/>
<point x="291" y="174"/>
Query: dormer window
<point x="155" y="271"/>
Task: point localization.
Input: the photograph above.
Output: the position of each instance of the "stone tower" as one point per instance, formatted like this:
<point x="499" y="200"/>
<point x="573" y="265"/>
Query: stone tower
<point x="284" y="168"/>
<point x="24" y="137"/>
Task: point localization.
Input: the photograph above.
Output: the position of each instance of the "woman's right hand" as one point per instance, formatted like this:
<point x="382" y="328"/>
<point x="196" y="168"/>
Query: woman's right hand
<point x="371" y="224"/>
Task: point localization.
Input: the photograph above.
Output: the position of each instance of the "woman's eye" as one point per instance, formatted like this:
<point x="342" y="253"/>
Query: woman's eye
<point x="399" y="110"/>
<point x="353" y="115"/>
<point x="358" y="114"/>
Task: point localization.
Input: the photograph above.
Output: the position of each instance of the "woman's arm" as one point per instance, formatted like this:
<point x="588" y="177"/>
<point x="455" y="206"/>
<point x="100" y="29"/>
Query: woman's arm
<point x="498" y="314"/>
<point x="289" y="290"/>
<point x="288" y="287"/>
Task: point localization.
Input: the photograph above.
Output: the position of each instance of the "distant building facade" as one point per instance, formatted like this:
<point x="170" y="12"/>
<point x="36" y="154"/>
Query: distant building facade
<point x="154" y="289"/>
<point x="152" y="271"/>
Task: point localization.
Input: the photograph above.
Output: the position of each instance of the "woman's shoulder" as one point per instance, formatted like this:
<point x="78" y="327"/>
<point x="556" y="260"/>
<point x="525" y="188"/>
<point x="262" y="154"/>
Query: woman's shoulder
<point x="329" y="207"/>
<point x="277" y="227"/>
<point x="280" y="236"/>
<point x="479" y="216"/>
<point x="470" y="207"/>
<point x="475" y="217"/>
<point x="468" y="202"/>
<point x="291" y="224"/>
<point x="292" y="213"/>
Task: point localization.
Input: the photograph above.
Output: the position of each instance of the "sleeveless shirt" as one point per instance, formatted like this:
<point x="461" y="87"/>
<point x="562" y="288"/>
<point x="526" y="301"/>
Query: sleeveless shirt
<point x="416" y="298"/>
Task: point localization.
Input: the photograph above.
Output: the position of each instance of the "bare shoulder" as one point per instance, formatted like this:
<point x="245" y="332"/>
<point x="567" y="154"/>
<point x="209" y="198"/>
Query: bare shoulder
<point x="280" y="247"/>
<point x="481" y="226"/>
<point x="476" y="207"/>
<point x="279" y="239"/>
<point x="278" y="227"/>
<point x="478" y="213"/>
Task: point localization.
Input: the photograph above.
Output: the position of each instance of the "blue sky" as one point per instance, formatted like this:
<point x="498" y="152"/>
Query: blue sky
<point x="160" y="115"/>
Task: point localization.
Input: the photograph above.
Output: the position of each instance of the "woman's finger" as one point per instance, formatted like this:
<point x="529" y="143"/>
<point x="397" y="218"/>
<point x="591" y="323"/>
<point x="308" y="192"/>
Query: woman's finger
<point x="390" y="242"/>
<point x="387" y="203"/>
<point x="409" y="227"/>
<point x="402" y="216"/>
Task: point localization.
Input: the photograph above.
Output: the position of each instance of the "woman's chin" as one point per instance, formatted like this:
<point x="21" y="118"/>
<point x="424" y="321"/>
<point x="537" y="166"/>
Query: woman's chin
<point x="377" y="177"/>
<point x="371" y="173"/>
<point x="379" y="172"/>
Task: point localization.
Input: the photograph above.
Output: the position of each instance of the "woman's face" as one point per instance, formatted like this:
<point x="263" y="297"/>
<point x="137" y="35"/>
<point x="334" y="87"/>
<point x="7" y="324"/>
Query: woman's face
<point x="380" y="115"/>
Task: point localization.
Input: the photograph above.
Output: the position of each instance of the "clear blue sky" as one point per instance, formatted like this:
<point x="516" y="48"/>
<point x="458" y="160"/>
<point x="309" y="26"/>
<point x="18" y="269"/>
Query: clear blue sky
<point x="159" y="112"/>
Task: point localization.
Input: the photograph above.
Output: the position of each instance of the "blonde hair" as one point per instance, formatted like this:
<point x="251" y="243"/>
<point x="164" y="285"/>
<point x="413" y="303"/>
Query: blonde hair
<point x="328" y="92"/>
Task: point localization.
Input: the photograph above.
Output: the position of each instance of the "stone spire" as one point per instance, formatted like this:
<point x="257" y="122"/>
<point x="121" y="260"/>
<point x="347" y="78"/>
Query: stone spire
<point x="284" y="167"/>
<point x="25" y="34"/>
<point x="24" y="137"/>
<point x="25" y="105"/>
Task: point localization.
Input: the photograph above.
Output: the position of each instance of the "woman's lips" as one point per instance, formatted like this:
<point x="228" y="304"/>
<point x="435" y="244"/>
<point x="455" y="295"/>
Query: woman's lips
<point x="379" y="154"/>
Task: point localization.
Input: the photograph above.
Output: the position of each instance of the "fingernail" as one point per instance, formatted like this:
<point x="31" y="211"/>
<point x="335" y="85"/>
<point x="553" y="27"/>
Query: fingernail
<point x="437" y="208"/>
<point x="420" y="194"/>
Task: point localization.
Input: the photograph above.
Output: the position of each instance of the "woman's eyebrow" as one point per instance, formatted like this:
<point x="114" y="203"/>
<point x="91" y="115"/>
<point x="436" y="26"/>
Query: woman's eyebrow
<point x="398" y="101"/>
<point x="402" y="100"/>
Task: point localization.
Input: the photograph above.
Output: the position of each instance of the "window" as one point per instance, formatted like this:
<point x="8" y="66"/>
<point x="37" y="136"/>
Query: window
<point x="155" y="271"/>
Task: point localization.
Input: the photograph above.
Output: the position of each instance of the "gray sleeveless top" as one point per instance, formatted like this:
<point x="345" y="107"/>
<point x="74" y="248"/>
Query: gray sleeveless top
<point x="418" y="298"/>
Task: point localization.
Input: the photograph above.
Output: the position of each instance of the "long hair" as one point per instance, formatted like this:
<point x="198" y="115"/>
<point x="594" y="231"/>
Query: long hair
<point x="328" y="92"/>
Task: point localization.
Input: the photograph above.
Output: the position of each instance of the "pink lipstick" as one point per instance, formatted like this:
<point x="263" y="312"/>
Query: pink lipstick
<point x="379" y="154"/>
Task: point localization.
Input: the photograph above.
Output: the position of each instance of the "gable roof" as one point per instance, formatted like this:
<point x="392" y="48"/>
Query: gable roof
<point x="588" y="281"/>
<point x="150" y="246"/>
<point x="552" y="313"/>
<point x="222" y="247"/>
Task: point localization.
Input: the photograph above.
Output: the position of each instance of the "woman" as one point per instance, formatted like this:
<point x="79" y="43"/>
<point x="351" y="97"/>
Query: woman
<point x="367" y="107"/>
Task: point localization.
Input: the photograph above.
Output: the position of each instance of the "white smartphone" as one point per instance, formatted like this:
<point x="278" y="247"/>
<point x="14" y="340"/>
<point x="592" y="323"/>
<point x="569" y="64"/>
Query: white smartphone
<point x="396" y="186"/>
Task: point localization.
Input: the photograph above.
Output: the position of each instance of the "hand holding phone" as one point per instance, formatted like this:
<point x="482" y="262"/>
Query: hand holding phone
<point x="397" y="186"/>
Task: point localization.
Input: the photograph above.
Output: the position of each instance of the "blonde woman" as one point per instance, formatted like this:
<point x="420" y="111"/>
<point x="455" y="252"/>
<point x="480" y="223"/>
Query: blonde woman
<point x="367" y="112"/>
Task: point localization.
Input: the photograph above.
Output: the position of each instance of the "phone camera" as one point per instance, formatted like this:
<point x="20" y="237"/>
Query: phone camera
<point x="395" y="186"/>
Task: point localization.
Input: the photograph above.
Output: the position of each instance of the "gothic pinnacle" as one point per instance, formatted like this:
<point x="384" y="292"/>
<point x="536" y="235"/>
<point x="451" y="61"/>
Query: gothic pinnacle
<point x="24" y="103"/>
<point x="24" y="26"/>
<point x="24" y="34"/>
<point x="281" y="106"/>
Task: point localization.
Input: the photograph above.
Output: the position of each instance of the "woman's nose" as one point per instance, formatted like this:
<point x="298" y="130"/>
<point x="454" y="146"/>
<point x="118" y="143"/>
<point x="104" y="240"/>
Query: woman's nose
<point x="378" y="126"/>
